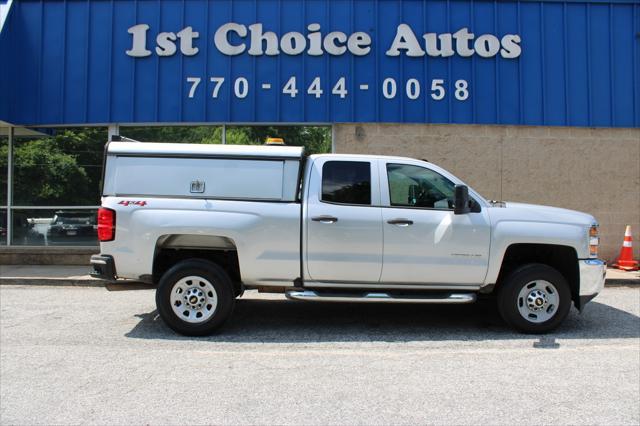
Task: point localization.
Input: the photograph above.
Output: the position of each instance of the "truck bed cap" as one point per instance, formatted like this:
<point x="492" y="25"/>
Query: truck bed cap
<point x="153" y="149"/>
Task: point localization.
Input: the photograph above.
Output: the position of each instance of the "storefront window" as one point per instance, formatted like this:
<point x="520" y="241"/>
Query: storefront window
<point x="55" y="227"/>
<point x="3" y="227"/>
<point x="63" y="169"/>
<point x="52" y="171"/>
<point x="4" y="157"/>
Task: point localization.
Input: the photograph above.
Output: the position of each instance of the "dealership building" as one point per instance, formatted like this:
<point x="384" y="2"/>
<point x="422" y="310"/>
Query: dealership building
<point x="532" y="101"/>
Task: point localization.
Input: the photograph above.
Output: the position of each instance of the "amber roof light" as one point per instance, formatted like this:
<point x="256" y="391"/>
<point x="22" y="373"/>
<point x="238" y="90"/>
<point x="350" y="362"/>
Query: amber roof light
<point x="274" y="141"/>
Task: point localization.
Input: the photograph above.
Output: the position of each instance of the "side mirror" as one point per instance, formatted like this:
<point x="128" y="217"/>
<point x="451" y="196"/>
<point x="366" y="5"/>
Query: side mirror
<point x="461" y="200"/>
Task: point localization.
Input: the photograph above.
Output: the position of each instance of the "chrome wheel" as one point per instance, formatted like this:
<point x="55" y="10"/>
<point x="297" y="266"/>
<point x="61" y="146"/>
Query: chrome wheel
<point x="538" y="301"/>
<point x="194" y="299"/>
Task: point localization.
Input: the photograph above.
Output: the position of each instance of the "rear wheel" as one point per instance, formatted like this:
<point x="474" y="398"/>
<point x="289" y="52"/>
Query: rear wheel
<point x="195" y="297"/>
<point x="534" y="298"/>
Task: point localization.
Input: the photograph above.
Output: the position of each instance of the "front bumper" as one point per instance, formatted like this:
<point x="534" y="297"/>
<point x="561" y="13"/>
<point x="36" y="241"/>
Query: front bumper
<point x="592" y="276"/>
<point x="103" y="267"/>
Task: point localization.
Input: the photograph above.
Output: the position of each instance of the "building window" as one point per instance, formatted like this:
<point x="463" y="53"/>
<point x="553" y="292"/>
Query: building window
<point x="59" y="170"/>
<point x="4" y="164"/>
<point x="3" y="227"/>
<point x="56" y="187"/>
<point x="54" y="227"/>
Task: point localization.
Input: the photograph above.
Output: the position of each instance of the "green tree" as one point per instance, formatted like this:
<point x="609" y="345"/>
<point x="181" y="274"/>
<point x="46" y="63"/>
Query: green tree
<point x="314" y="139"/>
<point x="86" y="146"/>
<point x="45" y="175"/>
<point x="65" y="168"/>
<point x="174" y="134"/>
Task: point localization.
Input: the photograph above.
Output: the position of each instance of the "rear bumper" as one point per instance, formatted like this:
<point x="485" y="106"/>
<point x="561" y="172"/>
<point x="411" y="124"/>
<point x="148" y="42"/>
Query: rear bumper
<point x="103" y="267"/>
<point x="592" y="276"/>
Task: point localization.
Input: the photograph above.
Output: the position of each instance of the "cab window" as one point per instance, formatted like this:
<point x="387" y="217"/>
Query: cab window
<point x="346" y="182"/>
<point x="414" y="186"/>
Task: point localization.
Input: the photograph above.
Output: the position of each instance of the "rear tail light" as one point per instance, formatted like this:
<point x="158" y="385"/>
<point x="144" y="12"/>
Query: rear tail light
<point x="106" y="224"/>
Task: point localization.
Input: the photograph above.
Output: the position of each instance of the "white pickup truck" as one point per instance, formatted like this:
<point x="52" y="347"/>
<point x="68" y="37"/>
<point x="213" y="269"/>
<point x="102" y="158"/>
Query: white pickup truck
<point x="206" y="222"/>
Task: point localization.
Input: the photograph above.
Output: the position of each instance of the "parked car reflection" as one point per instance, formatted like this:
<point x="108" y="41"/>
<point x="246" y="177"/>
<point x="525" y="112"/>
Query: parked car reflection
<point x="73" y="228"/>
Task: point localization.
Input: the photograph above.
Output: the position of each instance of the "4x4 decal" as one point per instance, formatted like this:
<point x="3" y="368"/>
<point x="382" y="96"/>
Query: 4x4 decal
<point x="133" y="203"/>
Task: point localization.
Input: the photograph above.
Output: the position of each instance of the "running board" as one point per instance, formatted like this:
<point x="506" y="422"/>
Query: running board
<point x="377" y="297"/>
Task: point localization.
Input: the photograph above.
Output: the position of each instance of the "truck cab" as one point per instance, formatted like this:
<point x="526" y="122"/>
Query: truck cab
<point x="205" y="223"/>
<point x="389" y="221"/>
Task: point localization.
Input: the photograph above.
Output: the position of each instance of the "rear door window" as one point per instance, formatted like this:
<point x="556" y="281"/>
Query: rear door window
<point x="347" y="182"/>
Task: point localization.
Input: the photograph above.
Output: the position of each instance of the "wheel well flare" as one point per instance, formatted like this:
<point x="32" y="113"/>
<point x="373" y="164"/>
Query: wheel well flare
<point x="564" y="259"/>
<point x="171" y="249"/>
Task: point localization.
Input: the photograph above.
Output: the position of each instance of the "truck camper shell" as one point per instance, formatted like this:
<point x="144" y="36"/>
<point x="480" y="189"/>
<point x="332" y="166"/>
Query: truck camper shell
<point x="234" y="172"/>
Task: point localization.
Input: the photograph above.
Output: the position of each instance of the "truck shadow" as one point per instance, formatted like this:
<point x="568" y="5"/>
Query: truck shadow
<point x="284" y="321"/>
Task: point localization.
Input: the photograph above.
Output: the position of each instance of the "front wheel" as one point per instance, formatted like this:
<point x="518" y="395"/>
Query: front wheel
<point x="534" y="298"/>
<point x="195" y="297"/>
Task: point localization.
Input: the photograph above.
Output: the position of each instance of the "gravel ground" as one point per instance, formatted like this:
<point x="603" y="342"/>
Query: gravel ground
<point x="89" y="355"/>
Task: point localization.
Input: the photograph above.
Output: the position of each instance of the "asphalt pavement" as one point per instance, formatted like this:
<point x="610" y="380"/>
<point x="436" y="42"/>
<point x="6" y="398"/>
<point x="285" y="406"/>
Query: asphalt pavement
<point x="89" y="355"/>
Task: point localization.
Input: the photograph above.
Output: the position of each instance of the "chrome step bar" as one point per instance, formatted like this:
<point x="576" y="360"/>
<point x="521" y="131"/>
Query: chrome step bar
<point x="378" y="297"/>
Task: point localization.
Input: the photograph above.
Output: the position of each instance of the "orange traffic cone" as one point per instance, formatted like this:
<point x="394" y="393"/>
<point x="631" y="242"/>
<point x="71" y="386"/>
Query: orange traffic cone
<point x="625" y="260"/>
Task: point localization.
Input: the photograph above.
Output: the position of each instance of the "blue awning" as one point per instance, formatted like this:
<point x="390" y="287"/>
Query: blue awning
<point x="534" y="62"/>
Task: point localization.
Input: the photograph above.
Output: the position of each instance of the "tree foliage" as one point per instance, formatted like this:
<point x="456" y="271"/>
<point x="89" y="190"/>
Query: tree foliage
<point x="314" y="139"/>
<point x="63" y="169"/>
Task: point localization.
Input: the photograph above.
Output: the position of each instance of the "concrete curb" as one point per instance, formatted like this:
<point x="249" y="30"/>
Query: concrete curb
<point x="62" y="282"/>
<point x="617" y="282"/>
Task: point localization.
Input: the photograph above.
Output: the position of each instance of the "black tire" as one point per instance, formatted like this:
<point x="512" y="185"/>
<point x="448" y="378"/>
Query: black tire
<point x="509" y="300"/>
<point x="220" y="281"/>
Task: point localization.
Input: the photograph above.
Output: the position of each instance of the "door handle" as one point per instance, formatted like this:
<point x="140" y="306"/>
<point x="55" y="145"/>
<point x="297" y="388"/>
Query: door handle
<point x="400" y="222"/>
<point x="325" y="219"/>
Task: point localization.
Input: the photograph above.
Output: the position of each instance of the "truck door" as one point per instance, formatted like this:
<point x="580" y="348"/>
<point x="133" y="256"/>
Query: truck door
<point x="424" y="241"/>
<point x="343" y="228"/>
